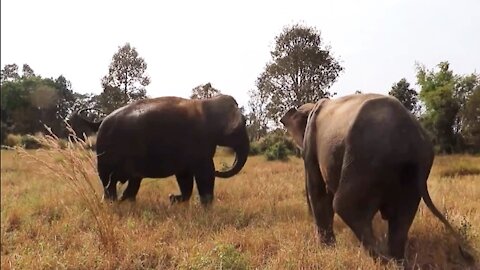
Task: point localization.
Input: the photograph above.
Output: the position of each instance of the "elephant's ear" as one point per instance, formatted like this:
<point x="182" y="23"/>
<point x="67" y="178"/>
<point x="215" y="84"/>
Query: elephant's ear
<point x="234" y="116"/>
<point x="295" y="121"/>
<point x="235" y="119"/>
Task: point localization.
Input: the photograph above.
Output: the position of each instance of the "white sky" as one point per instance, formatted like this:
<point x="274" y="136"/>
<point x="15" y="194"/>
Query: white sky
<point x="228" y="43"/>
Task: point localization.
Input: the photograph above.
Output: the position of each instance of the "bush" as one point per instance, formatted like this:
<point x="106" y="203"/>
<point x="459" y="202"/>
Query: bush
<point x="274" y="138"/>
<point x="30" y="142"/>
<point x="223" y="256"/>
<point x="254" y="149"/>
<point x="13" y="140"/>
<point x="278" y="151"/>
<point x="276" y="146"/>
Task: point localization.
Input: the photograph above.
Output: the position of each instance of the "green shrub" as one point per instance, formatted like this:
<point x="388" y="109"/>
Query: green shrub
<point x="13" y="140"/>
<point x="30" y="142"/>
<point x="278" y="151"/>
<point x="254" y="149"/>
<point x="229" y="257"/>
<point x="223" y="256"/>
<point x="275" y="137"/>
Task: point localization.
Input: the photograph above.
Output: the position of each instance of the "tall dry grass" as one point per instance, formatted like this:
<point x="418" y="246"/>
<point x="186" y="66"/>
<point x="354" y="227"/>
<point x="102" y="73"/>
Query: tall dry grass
<point x="52" y="216"/>
<point x="74" y="164"/>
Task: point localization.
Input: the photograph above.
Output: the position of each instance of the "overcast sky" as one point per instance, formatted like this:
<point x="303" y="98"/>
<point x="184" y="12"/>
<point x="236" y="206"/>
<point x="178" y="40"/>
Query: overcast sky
<point x="228" y="43"/>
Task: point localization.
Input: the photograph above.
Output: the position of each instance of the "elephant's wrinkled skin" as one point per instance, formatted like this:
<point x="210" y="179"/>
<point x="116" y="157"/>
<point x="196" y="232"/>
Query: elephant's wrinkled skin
<point x="363" y="153"/>
<point x="170" y="136"/>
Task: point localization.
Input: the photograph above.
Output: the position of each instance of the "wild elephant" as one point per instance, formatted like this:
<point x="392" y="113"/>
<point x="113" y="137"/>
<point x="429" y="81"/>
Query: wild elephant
<point x="364" y="153"/>
<point x="81" y="126"/>
<point x="167" y="136"/>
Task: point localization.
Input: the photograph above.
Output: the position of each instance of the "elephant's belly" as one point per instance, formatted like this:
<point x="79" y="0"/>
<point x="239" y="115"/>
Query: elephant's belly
<point x="157" y="167"/>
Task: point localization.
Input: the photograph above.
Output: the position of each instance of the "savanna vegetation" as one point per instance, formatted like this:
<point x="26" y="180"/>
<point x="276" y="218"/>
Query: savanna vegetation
<point x="302" y="69"/>
<point x="52" y="216"/>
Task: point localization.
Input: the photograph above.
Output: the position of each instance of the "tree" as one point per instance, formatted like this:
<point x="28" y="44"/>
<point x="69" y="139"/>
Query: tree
<point x="204" y="91"/>
<point x="406" y="95"/>
<point x="301" y="70"/>
<point x="110" y="99"/>
<point x="27" y="71"/>
<point x="9" y="73"/>
<point x="30" y="102"/>
<point x="257" y="119"/>
<point x="127" y="73"/>
<point x="438" y="94"/>
<point x="27" y="104"/>
<point x="469" y="118"/>
<point x="464" y="87"/>
<point x="66" y="97"/>
<point x="13" y="97"/>
<point x="82" y="101"/>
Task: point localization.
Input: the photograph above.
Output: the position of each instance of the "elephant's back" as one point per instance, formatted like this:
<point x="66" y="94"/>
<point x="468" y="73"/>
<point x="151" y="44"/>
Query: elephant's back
<point x="337" y="116"/>
<point x="135" y="129"/>
<point x="382" y="130"/>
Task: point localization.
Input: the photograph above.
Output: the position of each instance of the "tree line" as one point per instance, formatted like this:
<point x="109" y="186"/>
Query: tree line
<point x="30" y="102"/>
<point x="301" y="69"/>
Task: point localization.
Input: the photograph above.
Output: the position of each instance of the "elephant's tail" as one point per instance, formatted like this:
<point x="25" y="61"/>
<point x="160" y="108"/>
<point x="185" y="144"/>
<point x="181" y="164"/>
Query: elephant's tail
<point x="422" y="181"/>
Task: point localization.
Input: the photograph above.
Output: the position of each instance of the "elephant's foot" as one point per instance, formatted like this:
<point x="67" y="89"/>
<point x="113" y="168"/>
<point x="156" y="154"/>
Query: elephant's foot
<point x="109" y="197"/>
<point x="384" y="259"/>
<point x="176" y="199"/>
<point x="206" y="200"/>
<point x="128" y="198"/>
<point x="327" y="238"/>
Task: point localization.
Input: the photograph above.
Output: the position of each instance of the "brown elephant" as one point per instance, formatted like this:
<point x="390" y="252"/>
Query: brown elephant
<point x="167" y="136"/>
<point x="364" y="153"/>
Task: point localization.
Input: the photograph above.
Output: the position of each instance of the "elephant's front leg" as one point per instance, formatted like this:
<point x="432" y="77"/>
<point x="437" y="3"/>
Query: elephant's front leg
<point x="205" y="179"/>
<point x="110" y="191"/>
<point x="109" y="185"/>
<point x="320" y="201"/>
<point x="185" y="183"/>
<point x="131" y="191"/>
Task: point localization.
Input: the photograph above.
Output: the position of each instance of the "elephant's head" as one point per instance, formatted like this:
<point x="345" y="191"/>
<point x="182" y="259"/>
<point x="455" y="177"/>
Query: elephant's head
<point x="295" y="120"/>
<point x="228" y="126"/>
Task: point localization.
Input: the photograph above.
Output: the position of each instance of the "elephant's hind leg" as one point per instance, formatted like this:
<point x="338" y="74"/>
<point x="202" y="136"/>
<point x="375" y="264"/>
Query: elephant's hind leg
<point x="356" y="205"/>
<point x="404" y="210"/>
<point x="185" y="183"/>
<point x="131" y="191"/>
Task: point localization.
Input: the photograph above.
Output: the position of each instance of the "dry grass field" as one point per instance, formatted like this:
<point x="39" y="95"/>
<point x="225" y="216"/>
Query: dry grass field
<point x="52" y="217"/>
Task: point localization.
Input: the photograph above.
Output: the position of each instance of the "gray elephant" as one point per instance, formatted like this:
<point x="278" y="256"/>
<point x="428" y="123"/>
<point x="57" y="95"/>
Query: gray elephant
<point x="167" y="136"/>
<point x="364" y="153"/>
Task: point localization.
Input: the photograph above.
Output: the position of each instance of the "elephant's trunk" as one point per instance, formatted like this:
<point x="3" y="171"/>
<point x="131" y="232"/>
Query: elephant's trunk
<point x="241" y="155"/>
<point x="93" y="126"/>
